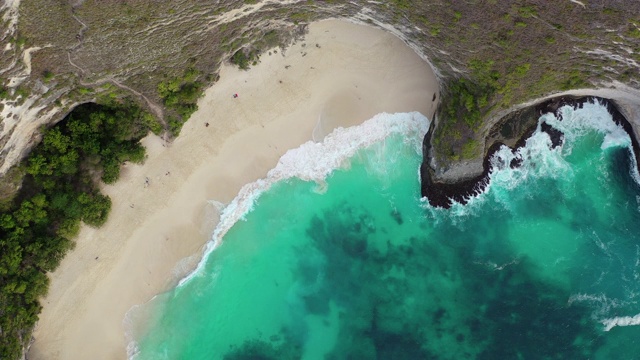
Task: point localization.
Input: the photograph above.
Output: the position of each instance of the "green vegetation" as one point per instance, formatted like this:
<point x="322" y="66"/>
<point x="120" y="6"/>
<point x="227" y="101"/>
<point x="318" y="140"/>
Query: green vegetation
<point x="59" y="190"/>
<point x="22" y="92"/>
<point x="464" y="105"/>
<point x="47" y="75"/>
<point x="574" y="80"/>
<point x="10" y="182"/>
<point x="527" y="11"/>
<point x="180" y="96"/>
<point x="493" y="54"/>
<point x="243" y="58"/>
<point x="634" y="32"/>
<point x="402" y="4"/>
<point x="299" y="17"/>
<point x="20" y="41"/>
<point x="470" y="149"/>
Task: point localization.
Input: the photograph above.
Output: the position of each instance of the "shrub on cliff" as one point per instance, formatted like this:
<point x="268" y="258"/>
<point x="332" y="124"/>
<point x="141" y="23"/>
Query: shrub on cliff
<point x="180" y="96"/>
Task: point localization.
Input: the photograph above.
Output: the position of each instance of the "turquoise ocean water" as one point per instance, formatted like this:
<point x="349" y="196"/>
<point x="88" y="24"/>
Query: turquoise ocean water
<point x="346" y="261"/>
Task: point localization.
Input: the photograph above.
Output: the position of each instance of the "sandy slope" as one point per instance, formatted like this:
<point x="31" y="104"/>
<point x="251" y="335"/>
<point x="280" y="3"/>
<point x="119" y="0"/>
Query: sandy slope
<point x="160" y="210"/>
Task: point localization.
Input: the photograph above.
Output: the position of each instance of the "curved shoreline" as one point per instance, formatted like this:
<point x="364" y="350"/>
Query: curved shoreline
<point x="156" y="223"/>
<point x="443" y="194"/>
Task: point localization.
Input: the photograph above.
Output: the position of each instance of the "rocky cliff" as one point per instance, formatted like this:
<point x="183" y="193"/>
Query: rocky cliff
<point x="492" y="57"/>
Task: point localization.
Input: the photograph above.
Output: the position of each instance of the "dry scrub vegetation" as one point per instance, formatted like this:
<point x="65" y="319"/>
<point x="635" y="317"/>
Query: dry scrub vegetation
<point x="490" y="54"/>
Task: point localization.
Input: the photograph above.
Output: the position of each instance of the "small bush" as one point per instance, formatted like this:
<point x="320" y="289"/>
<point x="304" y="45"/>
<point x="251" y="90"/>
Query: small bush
<point x="180" y="95"/>
<point x="241" y="59"/>
<point x="47" y="75"/>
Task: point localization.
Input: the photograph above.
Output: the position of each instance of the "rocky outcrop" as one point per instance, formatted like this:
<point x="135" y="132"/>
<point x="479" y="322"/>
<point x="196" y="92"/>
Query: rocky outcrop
<point x="443" y="186"/>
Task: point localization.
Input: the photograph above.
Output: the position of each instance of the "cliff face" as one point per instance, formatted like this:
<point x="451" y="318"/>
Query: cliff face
<point x="508" y="126"/>
<point x="492" y="57"/>
<point x="463" y="181"/>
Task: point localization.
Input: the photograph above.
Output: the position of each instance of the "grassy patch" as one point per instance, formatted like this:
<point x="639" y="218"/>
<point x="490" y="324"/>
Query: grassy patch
<point x="470" y="149"/>
<point x="527" y="11"/>
<point x="47" y="75"/>
<point x="633" y="32"/>
<point x="298" y="17"/>
<point x="574" y="80"/>
<point x="461" y="113"/>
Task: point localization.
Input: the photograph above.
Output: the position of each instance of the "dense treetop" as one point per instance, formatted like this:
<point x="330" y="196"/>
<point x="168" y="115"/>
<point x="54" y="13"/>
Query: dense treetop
<point x="60" y="189"/>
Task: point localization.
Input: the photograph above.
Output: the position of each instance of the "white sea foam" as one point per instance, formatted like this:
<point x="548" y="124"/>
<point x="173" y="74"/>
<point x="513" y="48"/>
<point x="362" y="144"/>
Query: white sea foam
<point x="314" y="162"/>
<point x="604" y="305"/>
<point x="601" y="302"/>
<point x="539" y="159"/>
<point x="593" y="117"/>
<point x="129" y="322"/>
<point x="621" y="321"/>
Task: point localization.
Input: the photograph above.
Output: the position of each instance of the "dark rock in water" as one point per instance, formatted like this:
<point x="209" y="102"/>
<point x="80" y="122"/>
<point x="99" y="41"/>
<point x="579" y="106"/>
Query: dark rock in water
<point x="554" y="105"/>
<point x="557" y="137"/>
<point x="442" y="194"/>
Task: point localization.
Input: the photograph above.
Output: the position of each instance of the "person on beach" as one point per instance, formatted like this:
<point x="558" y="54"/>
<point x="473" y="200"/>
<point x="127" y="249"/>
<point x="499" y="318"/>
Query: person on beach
<point x="235" y="96"/>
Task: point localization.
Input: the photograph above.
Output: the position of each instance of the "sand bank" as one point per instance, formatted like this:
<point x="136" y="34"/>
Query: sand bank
<point x="340" y="75"/>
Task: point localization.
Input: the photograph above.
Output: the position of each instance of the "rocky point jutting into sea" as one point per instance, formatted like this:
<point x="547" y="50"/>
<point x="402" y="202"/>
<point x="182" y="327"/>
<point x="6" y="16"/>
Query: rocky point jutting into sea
<point x="513" y="131"/>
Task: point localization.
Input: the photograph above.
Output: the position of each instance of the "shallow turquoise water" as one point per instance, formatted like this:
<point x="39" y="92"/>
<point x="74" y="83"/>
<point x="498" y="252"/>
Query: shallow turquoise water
<point x="541" y="265"/>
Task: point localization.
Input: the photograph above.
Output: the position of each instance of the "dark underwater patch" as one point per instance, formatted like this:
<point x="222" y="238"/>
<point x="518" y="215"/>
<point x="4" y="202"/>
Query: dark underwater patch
<point x="256" y="349"/>
<point x="516" y="313"/>
<point x="397" y="216"/>
<point x="620" y="167"/>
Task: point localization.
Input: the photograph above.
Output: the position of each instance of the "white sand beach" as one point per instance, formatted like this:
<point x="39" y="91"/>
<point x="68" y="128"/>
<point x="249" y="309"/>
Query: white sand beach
<point x="341" y="75"/>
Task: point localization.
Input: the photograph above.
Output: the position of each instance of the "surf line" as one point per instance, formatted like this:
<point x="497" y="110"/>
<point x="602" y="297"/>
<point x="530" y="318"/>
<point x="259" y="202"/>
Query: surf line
<point x="444" y="195"/>
<point x="621" y="321"/>
<point x="314" y="162"/>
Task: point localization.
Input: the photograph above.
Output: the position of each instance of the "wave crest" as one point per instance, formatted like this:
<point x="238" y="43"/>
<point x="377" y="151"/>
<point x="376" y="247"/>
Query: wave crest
<point x="314" y="162"/>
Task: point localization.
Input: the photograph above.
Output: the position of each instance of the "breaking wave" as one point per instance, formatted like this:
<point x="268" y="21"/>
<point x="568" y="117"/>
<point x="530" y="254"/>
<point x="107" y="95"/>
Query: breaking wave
<point x="539" y="159"/>
<point x="314" y="162"/>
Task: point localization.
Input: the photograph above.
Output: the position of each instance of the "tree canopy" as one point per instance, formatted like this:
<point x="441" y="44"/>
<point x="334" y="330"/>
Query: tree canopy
<point x="59" y="190"/>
